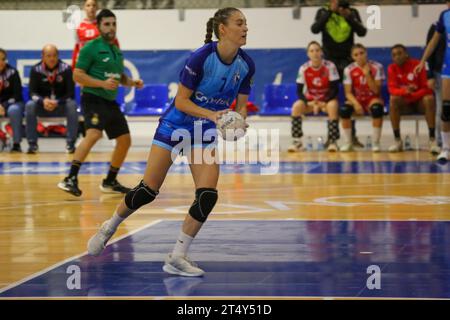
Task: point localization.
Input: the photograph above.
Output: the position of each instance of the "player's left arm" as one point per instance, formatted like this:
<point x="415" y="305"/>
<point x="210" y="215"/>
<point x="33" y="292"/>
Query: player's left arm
<point x="241" y="105"/>
<point x="128" y="82"/>
<point x="245" y="88"/>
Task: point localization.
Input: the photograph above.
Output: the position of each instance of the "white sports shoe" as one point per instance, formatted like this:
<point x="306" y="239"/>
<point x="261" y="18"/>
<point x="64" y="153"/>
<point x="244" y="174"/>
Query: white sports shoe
<point x="376" y="147"/>
<point x="443" y="156"/>
<point x="434" y="148"/>
<point x="182" y="266"/>
<point x="397" y="146"/>
<point x="97" y="243"/>
<point x="333" y="147"/>
<point x="296" y="146"/>
<point x="346" y="147"/>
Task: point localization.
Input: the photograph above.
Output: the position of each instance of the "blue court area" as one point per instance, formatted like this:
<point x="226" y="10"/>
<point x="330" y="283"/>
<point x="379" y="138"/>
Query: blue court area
<point x="283" y="167"/>
<point x="267" y="258"/>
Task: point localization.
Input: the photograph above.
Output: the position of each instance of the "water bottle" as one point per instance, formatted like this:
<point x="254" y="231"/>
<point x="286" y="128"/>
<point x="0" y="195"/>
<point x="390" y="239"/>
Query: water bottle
<point x="309" y="144"/>
<point x="408" y="143"/>
<point x="369" y="143"/>
<point x="320" y="145"/>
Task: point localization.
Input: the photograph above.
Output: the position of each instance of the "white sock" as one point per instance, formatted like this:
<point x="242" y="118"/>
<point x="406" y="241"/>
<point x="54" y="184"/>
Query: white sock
<point x="348" y="135"/>
<point x="376" y="134"/>
<point x="182" y="245"/>
<point x="445" y="140"/>
<point x="115" y="221"/>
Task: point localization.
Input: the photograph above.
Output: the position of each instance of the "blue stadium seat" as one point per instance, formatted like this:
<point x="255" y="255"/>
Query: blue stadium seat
<point x="149" y="101"/>
<point x="25" y="94"/>
<point x="385" y="96"/>
<point x="278" y="99"/>
<point x="252" y="96"/>
<point x="341" y="94"/>
<point x="78" y="95"/>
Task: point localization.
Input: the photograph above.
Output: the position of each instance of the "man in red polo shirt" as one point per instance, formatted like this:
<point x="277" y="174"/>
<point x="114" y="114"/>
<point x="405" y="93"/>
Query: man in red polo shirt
<point x="409" y="94"/>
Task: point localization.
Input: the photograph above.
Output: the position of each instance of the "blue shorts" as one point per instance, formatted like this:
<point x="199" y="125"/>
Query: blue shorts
<point x="181" y="140"/>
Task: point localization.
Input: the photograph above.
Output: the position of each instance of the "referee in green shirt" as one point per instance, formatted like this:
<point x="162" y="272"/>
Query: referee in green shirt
<point x="100" y="70"/>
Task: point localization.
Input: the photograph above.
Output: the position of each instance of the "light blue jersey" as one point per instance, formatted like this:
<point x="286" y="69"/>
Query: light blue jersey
<point x="443" y="27"/>
<point x="215" y="85"/>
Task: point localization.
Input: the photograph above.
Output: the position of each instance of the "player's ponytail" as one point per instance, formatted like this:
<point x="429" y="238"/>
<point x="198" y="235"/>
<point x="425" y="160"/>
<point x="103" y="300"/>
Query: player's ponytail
<point x="220" y="17"/>
<point x="209" y="30"/>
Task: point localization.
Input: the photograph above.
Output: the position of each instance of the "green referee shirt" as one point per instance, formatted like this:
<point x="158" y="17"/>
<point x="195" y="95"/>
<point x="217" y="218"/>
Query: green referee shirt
<point x="101" y="60"/>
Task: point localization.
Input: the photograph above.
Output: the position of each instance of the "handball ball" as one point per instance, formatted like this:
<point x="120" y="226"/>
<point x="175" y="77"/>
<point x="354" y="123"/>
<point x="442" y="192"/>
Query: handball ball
<point x="231" y="126"/>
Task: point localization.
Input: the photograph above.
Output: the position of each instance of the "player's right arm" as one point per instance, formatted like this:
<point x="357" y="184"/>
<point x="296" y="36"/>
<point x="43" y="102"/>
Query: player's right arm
<point x="440" y="31"/>
<point x="81" y="77"/>
<point x="428" y="51"/>
<point x="85" y="60"/>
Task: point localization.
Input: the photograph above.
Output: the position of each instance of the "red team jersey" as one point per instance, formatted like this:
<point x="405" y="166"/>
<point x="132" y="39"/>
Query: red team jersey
<point x="354" y="76"/>
<point x="317" y="80"/>
<point x="399" y="77"/>
<point x="86" y="31"/>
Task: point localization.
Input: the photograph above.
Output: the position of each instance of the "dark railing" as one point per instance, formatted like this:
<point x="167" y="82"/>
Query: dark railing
<point x="186" y="4"/>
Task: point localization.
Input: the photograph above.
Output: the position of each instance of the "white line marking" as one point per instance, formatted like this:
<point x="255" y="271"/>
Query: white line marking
<point x="37" y="274"/>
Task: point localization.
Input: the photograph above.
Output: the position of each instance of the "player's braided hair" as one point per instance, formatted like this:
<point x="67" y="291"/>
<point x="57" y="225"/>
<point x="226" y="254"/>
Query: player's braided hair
<point x="220" y="17"/>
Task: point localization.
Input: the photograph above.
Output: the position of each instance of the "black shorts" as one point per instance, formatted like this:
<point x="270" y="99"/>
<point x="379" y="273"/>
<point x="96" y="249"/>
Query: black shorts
<point x="102" y="114"/>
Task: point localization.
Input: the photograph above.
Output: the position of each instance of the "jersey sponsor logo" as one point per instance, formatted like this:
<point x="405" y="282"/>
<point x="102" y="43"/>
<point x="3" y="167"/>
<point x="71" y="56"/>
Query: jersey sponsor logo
<point x="199" y="96"/>
<point x="106" y="59"/>
<point x="317" y="82"/>
<point x="410" y="76"/>
<point x="112" y="75"/>
<point x="190" y="71"/>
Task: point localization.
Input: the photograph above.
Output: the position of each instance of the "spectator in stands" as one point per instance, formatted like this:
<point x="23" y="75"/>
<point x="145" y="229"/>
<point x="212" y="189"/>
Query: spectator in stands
<point x="87" y="30"/>
<point x="317" y="89"/>
<point x="435" y="62"/>
<point x="51" y="90"/>
<point x="409" y="94"/>
<point x="338" y="23"/>
<point x="11" y="101"/>
<point x="362" y="82"/>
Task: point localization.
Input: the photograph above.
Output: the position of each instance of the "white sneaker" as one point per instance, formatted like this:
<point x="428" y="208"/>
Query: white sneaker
<point x="97" y="243"/>
<point x="182" y="266"/>
<point x="346" y="147"/>
<point x="296" y="146"/>
<point x="443" y="156"/>
<point x="397" y="146"/>
<point x="333" y="147"/>
<point x="376" y="147"/>
<point x="434" y="148"/>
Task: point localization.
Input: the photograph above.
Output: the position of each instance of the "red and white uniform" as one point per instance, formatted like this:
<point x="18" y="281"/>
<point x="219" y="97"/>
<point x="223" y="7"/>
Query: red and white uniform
<point x="354" y="76"/>
<point x="86" y="31"/>
<point x="316" y="81"/>
<point x="400" y="77"/>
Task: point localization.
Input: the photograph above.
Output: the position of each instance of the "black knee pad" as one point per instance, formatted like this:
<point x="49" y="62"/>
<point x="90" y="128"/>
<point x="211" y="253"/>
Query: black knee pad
<point x="377" y="110"/>
<point x="445" y="115"/>
<point x="205" y="200"/>
<point x="346" y="111"/>
<point x="140" y="196"/>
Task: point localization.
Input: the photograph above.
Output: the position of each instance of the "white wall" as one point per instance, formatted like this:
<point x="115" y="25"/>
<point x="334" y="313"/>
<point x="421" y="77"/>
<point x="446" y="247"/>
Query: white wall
<point x="162" y="30"/>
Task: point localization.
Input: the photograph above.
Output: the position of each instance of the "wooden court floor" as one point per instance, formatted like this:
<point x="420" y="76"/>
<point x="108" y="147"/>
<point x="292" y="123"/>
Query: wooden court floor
<point x="41" y="226"/>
